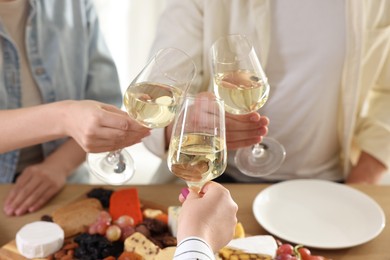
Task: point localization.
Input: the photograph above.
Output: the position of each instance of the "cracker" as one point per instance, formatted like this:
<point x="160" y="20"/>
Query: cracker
<point x="76" y="217"/>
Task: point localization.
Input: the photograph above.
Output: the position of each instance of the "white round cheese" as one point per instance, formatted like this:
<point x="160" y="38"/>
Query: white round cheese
<point x="39" y="239"/>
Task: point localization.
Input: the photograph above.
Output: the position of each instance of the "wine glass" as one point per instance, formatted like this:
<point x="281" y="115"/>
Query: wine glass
<point x="240" y="81"/>
<point x="152" y="99"/>
<point x="197" y="150"/>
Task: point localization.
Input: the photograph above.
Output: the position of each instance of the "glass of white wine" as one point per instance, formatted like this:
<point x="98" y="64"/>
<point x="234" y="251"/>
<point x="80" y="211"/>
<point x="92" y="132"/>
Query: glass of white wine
<point x="152" y="99"/>
<point x="240" y="81"/>
<point x="197" y="150"/>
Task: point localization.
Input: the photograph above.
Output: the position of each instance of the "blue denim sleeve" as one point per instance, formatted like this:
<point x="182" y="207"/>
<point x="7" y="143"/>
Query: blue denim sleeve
<point x="102" y="80"/>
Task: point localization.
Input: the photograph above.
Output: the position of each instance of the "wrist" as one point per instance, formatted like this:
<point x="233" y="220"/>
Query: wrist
<point x="64" y="112"/>
<point x="367" y="170"/>
<point x="192" y="244"/>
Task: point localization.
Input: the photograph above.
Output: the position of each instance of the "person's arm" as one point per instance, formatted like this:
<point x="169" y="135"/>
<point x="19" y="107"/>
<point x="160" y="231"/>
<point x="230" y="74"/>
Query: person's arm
<point x="368" y="170"/>
<point x="38" y="183"/>
<point x="210" y="217"/>
<point x="97" y="127"/>
<point x="372" y="133"/>
<point x="29" y="126"/>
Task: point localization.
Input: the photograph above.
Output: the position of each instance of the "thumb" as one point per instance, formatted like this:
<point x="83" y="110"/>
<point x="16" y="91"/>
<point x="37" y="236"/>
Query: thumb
<point x="112" y="109"/>
<point x="193" y="194"/>
<point x="209" y="187"/>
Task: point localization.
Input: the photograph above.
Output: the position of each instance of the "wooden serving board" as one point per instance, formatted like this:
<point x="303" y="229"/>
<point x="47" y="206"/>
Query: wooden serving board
<point x="10" y="252"/>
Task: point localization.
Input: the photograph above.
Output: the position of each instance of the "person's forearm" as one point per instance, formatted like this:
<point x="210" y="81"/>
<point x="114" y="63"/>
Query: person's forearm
<point x="29" y="126"/>
<point x="367" y="170"/>
<point x="67" y="157"/>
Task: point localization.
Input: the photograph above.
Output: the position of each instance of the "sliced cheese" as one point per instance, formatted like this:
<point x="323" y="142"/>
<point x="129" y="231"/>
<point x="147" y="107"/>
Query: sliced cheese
<point x="39" y="239"/>
<point x="173" y="217"/>
<point x="141" y="245"/>
<point x="262" y="244"/>
<point x="166" y="253"/>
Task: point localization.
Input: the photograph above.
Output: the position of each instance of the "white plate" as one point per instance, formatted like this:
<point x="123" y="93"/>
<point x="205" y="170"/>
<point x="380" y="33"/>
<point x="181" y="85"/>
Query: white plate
<point x="319" y="214"/>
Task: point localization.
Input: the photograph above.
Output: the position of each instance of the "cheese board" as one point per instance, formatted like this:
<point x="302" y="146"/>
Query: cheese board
<point x="262" y="246"/>
<point x="80" y="208"/>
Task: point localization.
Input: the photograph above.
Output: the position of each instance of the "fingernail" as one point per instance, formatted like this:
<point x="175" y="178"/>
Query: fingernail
<point x="19" y="211"/>
<point x="254" y="118"/>
<point x="185" y="192"/>
<point x="8" y="210"/>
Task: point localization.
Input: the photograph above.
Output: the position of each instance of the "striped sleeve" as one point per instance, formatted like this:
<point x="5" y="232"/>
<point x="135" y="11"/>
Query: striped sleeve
<point x="193" y="248"/>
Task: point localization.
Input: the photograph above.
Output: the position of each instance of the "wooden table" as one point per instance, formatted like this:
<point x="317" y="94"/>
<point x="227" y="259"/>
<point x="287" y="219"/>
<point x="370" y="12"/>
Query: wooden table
<point x="243" y="194"/>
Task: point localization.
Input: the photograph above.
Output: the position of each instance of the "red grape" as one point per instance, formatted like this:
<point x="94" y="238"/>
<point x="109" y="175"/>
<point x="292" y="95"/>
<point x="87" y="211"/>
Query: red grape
<point x="92" y="229"/>
<point x="285" y="249"/>
<point x="286" y="257"/>
<point x="101" y="228"/>
<point x="104" y="217"/>
<point x="126" y="232"/>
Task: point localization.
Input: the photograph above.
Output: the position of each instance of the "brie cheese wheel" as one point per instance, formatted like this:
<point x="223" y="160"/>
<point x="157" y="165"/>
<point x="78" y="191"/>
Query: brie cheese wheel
<point x="39" y="239"/>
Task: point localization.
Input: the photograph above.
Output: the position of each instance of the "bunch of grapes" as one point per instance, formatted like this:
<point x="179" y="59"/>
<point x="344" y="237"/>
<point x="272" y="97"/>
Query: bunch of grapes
<point x="92" y="247"/>
<point x="288" y="252"/>
<point x="120" y="229"/>
<point x="103" y="195"/>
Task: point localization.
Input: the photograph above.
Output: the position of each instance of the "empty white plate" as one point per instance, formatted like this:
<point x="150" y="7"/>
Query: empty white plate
<point x="319" y="214"/>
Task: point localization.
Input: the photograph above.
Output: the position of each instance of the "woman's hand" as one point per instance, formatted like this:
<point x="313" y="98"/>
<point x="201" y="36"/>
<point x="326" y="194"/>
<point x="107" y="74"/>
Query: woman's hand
<point x="211" y="216"/>
<point x="99" y="127"/>
<point x="35" y="186"/>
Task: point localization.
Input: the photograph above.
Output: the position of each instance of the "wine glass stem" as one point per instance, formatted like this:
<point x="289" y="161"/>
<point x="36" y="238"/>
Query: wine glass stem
<point x="116" y="158"/>
<point x="113" y="157"/>
<point x="258" y="150"/>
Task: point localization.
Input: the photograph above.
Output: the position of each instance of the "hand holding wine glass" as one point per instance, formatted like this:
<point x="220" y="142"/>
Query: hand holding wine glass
<point x="240" y="81"/>
<point x="152" y="99"/>
<point x="197" y="150"/>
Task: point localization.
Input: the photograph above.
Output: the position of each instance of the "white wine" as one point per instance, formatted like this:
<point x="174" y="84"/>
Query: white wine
<point x="197" y="158"/>
<point x="153" y="105"/>
<point x="242" y="91"/>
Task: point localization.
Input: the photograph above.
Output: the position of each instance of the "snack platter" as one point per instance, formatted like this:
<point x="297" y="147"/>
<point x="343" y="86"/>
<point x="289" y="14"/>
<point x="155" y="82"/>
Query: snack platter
<point x="76" y="217"/>
<point x="87" y="224"/>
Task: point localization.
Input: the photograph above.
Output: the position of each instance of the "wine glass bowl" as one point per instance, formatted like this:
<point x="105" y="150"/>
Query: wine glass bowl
<point x="155" y="109"/>
<point x="197" y="150"/>
<point x="155" y="94"/>
<point x="152" y="99"/>
<point x="238" y="76"/>
<point x="240" y="81"/>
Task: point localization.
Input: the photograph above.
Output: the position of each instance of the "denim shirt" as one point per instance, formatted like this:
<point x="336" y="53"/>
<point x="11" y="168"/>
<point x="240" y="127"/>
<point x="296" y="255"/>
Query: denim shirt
<point x="68" y="59"/>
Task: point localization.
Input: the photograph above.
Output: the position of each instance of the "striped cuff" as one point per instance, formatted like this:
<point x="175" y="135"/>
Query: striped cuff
<point x="194" y="248"/>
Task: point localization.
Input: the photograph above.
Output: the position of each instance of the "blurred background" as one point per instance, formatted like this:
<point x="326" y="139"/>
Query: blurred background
<point x="129" y="28"/>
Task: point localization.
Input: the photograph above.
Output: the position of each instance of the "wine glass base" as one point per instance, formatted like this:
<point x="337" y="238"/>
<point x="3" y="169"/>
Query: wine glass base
<point x="111" y="173"/>
<point x="263" y="164"/>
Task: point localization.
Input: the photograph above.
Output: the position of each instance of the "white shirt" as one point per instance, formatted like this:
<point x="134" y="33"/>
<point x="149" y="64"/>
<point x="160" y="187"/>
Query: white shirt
<point x="306" y="121"/>
<point x="305" y="61"/>
<point x="362" y="119"/>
